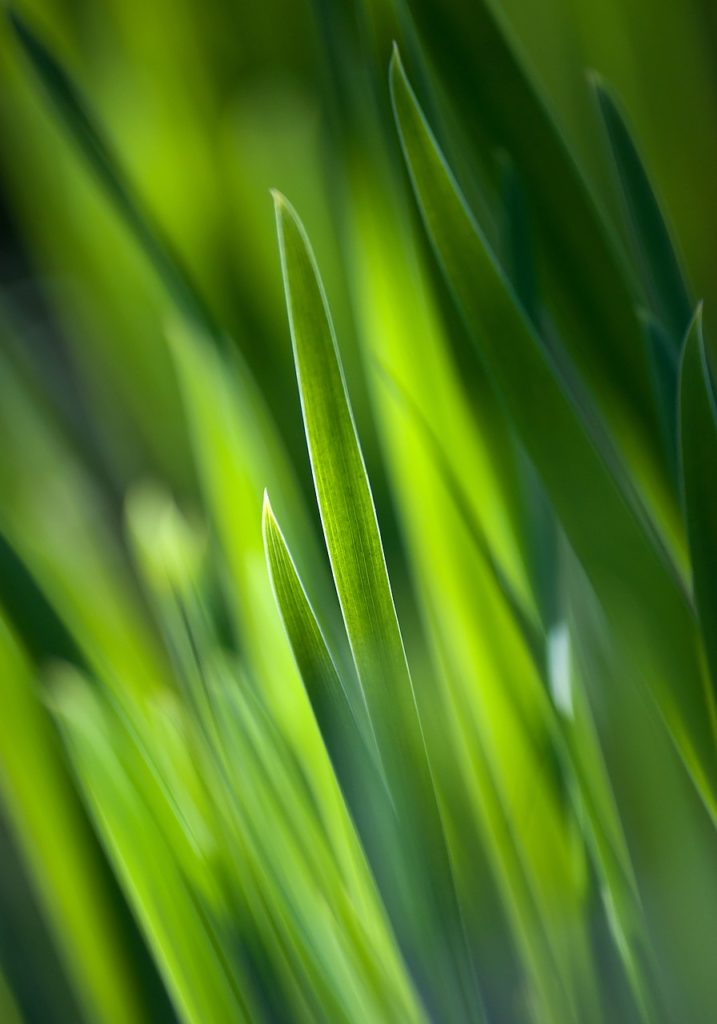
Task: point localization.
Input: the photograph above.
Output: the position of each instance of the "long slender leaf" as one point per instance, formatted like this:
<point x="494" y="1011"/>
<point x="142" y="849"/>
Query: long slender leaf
<point x="48" y="819"/>
<point x="670" y="839"/>
<point x="519" y="263"/>
<point x="113" y="777"/>
<point x="79" y="121"/>
<point x="658" y="263"/>
<point x="529" y="628"/>
<point x="660" y="270"/>
<point x="340" y="724"/>
<point x="357" y="560"/>
<point x="664" y="367"/>
<point x="479" y="63"/>
<point x="602" y="517"/>
<point x="494" y="706"/>
<point x="698" y="445"/>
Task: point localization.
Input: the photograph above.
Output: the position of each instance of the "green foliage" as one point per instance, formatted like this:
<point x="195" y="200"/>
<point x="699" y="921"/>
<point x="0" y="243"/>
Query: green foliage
<point x="233" y="798"/>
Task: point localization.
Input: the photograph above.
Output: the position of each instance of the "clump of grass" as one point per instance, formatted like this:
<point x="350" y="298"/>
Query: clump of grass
<point x="500" y="807"/>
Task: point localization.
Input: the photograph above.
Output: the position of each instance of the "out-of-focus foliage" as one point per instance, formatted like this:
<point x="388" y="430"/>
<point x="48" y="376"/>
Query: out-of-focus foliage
<point x="376" y="683"/>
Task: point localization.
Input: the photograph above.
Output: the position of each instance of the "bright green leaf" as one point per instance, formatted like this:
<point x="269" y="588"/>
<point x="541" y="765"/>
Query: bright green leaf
<point x="79" y="121"/>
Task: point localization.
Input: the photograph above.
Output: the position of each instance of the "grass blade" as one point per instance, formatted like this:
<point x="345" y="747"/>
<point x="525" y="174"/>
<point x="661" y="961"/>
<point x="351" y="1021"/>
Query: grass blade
<point x="664" y="370"/>
<point x="61" y="855"/>
<point x="669" y="838"/>
<point x="657" y="260"/>
<point x="130" y="812"/>
<point x="698" y="445"/>
<point x="329" y="699"/>
<point x="357" y="560"/>
<point x="500" y="107"/>
<point x="455" y="487"/>
<point x="658" y="264"/>
<point x="517" y="241"/>
<point x="604" y="521"/>
<point x="75" y="115"/>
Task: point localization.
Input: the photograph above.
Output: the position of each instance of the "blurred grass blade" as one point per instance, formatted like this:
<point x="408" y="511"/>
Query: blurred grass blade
<point x="455" y="487"/>
<point x="359" y="568"/>
<point x="341" y="725"/>
<point x="9" y="1011"/>
<point x="664" y="368"/>
<point x="657" y="260"/>
<point x="54" y="517"/>
<point x="517" y="241"/>
<point x="518" y="257"/>
<point x="237" y="453"/>
<point x="486" y="79"/>
<point x="600" y="512"/>
<point x="130" y="812"/>
<point x="698" y="445"/>
<point x="660" y="273"/>
<point x="59" y="848"/>
<point x="77" y="118"/>
<point x="670" y="839"/>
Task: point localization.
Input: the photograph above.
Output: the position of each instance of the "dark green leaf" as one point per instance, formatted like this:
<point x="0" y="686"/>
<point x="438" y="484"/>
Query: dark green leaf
<point x="698" y="447"/>
<point x="585" y="274"/>
<point x="660" y="271"/>
<point x="604" y="521"/>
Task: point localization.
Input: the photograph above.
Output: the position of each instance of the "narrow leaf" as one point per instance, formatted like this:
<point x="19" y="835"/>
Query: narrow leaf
<point x="664" y="370"/>
<point x="345" y="502"/>
<point x="590" y="293"/>
<point x="62" y="858"/>
<point x="591" y="493"/>
<point x="128" y="813"/>
<point x="357" y="560"/>
<point x="660" y="270"/>
<point x="329" y="699"/>
<point x="76" y="116"/>
<point x="698" y="446"/>
<point x="517" y="241"/>
<point x="456" y="488"/>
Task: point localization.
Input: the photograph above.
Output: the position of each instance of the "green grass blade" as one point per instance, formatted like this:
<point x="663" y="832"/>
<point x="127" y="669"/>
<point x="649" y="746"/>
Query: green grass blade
<point x="660" y="270"/>
<point x="329" y="699"/>
<point x="345" y="502"/>
<point x="669" y="837"/>
<point x="658" y="263"/>
<point x="525" y="620"/>
<point x="130" y="812"/>
<point x="517" y="241"/>
<point x="62" y="858"/>
<point x="481" y="68"/>
<point x="53" y="516"/>
<point x="74" y="113"/>
<point x="359" y="568"/>
<point x="698" y="445"/>
<point x="591" y="494"/>
<point x="518" y="257"/>
<point x="9" y="1011"/>
<point x="664" y="370"/>
<point x="237" y="453"/>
